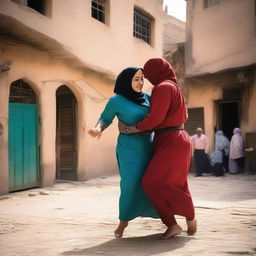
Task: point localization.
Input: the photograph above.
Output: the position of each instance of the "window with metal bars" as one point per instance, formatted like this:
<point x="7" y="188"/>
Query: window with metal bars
<point x="99" y="10"/>
<point x="142" y="26"/>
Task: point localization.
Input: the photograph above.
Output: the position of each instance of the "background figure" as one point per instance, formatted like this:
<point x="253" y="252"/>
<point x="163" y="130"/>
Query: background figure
<point x="236" y="156"/>
<point x="200" y="147"/>
<point x="219" y="156"/>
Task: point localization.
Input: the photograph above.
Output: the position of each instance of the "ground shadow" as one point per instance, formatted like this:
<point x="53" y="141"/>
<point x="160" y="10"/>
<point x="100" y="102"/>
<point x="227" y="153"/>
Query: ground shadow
<point x="143" y="246"/>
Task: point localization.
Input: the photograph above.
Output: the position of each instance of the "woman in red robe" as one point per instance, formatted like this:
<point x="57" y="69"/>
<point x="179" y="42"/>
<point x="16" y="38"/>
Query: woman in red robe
<point x="165" y="180"/>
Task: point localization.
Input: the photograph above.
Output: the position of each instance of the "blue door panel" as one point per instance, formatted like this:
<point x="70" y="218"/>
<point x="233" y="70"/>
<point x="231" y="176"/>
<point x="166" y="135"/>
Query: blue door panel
<point x="23" y="146"/>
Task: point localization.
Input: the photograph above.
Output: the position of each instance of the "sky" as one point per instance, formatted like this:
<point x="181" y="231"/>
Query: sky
<point x="176" y="8"/>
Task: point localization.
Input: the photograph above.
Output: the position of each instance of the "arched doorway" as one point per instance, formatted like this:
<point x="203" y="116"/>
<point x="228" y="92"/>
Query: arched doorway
<point x="229" y="110"/>
<point x="66" y="134"/>
<point x="228" y="117"/>
<point x="23" y="137"/>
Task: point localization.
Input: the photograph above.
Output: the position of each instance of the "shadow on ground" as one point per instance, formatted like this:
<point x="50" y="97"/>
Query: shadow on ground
<point x="143" y="246"/>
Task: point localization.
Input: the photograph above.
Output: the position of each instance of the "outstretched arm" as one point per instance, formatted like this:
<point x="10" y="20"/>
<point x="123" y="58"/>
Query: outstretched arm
<point x="105" y="119"/>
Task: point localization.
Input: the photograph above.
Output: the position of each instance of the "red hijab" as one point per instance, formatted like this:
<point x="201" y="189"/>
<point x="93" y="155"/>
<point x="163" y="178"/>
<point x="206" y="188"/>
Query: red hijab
<point x="157" y="70"/>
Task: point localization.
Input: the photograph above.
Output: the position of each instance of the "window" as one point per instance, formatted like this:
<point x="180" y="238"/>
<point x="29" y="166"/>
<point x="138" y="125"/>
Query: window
<point x="98" y="10"/>
<point x="42" y="6"/>
<point x="142" y="26"/>
<point x="210" y="3"/>
<point x="36" y="5"/>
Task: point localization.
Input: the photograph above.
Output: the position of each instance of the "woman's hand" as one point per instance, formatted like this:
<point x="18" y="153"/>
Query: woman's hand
<point x="94" y="132"/>
<point x="97" y="130"/>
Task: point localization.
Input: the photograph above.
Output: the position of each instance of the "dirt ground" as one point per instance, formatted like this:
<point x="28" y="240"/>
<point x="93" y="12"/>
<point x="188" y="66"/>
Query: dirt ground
<point x="78" y="218"/>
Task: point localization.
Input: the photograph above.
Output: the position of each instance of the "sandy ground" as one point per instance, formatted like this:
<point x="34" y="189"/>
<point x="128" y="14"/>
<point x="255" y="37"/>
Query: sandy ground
<point x="78" y="218"/>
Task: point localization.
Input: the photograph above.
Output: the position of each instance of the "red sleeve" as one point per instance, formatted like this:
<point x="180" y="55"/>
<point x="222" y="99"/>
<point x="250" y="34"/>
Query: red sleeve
<point x="159" y="105"/>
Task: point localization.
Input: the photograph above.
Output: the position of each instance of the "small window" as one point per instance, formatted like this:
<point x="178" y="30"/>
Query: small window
<point x="36" y="5"/>
<point x="210" y="3"/>
<point x="42" y="6"/>
<point x="142" y="26"/>
<point x="98" y="10"/>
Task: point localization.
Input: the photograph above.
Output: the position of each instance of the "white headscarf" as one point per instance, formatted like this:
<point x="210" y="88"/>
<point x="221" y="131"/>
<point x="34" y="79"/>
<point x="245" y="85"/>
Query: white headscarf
<point x="237" y="131"/>
<point x="221" y="142"/>
<point x="236" y="145"/>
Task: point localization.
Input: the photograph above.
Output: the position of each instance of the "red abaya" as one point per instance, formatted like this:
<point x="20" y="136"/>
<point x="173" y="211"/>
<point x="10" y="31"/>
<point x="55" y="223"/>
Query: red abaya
<point x="165" y="180"/>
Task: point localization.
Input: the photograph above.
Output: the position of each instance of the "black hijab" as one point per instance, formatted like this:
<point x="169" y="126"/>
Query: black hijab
<point x="123" y="86"/>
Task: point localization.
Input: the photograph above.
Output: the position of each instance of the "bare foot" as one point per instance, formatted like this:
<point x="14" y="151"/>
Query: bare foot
<point x="171" y="232"/>
<point x="120" y="229"/>
<point x="192" y="227"/>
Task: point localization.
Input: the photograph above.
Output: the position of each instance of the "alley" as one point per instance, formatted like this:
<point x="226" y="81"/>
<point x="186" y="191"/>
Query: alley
<point x="78" y="218"/>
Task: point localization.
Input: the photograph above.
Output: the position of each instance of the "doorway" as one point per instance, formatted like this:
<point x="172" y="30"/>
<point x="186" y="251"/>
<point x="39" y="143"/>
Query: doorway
<point x="23" y="145"/>
<point x="66" y="134"/>
<point x="228" y="117"/>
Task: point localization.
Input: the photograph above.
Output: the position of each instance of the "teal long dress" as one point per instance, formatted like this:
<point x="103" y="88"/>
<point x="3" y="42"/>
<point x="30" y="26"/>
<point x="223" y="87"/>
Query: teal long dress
<point x="133" y="155"/>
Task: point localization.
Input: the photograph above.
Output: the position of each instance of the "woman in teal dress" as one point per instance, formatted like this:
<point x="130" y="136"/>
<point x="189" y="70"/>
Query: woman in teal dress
<point x="133" y="152"/>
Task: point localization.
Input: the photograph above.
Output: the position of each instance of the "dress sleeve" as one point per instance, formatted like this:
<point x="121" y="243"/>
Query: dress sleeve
<point x="108" y="114"/>
<point x="159" y="105"/>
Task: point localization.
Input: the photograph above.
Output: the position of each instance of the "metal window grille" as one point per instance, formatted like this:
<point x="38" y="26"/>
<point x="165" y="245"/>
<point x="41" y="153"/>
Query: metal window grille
<point x="142" y="26"/>
<point x="98" y="10"/>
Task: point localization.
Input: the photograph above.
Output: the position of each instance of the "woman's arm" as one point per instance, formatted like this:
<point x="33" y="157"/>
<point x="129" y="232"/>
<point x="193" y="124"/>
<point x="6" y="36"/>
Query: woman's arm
<point x="106" y="118"/>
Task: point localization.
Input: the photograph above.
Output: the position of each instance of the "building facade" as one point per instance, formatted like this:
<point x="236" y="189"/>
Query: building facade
<point x="220" y="67"/>
<point x="58" y="63"/>
<point x="173" y="45"/>
<point x="174" y="33"/>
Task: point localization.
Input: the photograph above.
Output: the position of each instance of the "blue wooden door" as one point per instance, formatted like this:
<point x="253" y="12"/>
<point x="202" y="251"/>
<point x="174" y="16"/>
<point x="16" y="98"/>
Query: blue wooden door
<point x="23" y="146"/>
